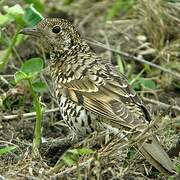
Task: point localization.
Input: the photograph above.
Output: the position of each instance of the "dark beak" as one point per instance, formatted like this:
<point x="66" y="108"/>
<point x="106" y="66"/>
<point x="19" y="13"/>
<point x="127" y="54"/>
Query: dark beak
<point x="30" y="31"/>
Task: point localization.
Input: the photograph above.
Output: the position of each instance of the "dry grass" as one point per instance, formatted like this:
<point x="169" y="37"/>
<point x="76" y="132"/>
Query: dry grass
<point x="151" y="31"/>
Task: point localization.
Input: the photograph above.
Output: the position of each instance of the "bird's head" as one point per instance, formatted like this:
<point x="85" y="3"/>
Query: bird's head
<point x="56" y="34"/>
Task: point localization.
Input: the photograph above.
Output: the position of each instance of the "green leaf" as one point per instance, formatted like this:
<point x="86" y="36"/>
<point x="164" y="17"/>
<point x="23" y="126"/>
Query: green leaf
<point x="147" y="83"/>
<point x="15" y="12"/>
<point x="136" y="85"/>
<point x="32" y="16"/>
<point x="2" y="53"/>
<point x="19" y="76"/>
<point x="73" y="151"/>
<point x="39" y="86"/>
<point x="4" y="19"/>
<point x="68" y="2"/>
<point x="34" y="65"/>
<point x="37" y="4"/>
<point x="6" y="150"/>
<point x="85" y="151"/>
<point x="119" y="6"/>
<point x="68" y="160"/>
<point x="143" y="82"/>
<point x="70" y="157"/>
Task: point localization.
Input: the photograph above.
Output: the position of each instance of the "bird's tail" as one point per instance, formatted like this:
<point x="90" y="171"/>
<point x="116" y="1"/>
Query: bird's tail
<point x="156" y="155"/>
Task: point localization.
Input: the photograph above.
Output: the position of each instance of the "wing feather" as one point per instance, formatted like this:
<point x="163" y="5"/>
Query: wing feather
<point x="107" y="94"/>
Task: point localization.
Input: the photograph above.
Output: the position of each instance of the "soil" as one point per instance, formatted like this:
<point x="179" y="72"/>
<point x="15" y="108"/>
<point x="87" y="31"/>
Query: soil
<point x="125" y="32"/>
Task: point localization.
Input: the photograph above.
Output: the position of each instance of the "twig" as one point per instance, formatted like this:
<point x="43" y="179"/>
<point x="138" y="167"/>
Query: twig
<point x="69" y="170"/>
<point x="164" y="105"/>
<point x="7" y="75"/>
<point x="4" y="80"/>
<point x="135" y="58"/>
<point x="107" y="44"/>
<point x="5" y="58"/>
<point x="26" y="115"/>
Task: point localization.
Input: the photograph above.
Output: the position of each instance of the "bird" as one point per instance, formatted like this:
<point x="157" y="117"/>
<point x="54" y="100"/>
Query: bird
<point x="91" y="93"/>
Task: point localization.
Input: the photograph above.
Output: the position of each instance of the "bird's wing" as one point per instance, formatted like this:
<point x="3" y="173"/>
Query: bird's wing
<point x="105" y="92"/>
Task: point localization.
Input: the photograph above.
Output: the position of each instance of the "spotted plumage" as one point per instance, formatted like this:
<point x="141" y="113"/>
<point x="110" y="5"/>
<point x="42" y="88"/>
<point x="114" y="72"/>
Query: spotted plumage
<point x="91" y="93"/>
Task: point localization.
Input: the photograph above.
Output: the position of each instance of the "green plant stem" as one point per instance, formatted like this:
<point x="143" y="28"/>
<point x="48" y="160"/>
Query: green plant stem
<point x="5" y="59"/>
<point x="137" y="76"/>
<point x="78" y="171"/>
<point x="115" y="9"/>
<point x="37" y="131"/>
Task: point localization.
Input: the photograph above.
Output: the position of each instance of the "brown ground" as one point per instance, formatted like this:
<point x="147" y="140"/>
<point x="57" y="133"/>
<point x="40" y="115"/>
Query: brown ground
<point x="146" y="30"/>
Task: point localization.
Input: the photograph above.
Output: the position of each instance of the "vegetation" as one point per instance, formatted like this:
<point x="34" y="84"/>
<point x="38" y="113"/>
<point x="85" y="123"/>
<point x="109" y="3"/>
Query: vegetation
<point x="28" y="73"/>
<point x="140" y="37"/>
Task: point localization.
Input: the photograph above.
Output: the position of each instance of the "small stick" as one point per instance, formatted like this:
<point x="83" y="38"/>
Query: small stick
<point x="27" y="115"/>
<point x="164" y="105"/>
<point x="7" y="75"/>
<point x="69" y="170"/>
<point x="135" y="58"/>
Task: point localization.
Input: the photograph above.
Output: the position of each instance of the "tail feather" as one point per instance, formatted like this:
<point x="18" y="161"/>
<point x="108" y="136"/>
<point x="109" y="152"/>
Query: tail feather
<point x="155" y="154"/>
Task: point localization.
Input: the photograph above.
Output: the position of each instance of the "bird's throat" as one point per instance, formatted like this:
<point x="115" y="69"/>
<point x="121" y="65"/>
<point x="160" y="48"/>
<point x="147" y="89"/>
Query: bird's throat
<point x="61" y="53"/>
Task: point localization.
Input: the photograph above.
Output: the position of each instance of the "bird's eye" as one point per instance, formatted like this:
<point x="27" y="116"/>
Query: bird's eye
<point x="56" y="29"/>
